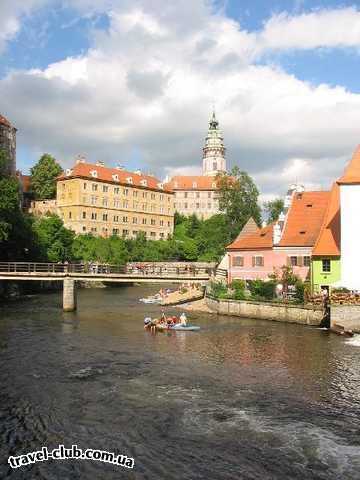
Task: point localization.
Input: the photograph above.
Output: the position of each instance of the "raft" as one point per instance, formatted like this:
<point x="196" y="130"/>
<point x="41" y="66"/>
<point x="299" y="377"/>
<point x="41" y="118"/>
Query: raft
<point x="177" y="327"/>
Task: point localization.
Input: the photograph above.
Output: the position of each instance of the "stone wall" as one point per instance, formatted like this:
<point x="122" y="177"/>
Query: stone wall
<point x="346" y="316"/>
<point x="267" y="311"/>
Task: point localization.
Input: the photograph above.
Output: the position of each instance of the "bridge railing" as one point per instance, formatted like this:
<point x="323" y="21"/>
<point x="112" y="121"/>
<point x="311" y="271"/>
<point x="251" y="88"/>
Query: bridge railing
<point x="105" y="269"/>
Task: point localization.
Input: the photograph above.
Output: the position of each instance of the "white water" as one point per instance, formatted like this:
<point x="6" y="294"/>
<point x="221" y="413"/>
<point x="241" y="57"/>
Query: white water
<point x="354" y="341"/>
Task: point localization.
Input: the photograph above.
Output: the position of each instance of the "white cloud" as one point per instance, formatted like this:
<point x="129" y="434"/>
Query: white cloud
<point x="143" y="92"/>
<point x="321" y="28"/>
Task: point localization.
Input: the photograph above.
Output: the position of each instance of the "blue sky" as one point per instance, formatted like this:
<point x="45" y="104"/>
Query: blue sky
<point x="163" y="66"/>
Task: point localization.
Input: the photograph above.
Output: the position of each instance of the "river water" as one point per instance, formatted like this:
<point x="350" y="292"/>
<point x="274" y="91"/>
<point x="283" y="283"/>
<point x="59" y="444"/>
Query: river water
<point x="241" y="399"/>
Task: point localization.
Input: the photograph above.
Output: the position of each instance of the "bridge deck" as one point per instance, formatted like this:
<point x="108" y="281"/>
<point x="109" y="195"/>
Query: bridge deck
<point x="101" y="273"/>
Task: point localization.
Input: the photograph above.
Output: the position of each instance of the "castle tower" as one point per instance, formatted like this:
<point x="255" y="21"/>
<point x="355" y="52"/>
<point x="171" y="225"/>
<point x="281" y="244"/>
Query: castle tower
<point x="8" y="143"/>
<point x="214" y="150"/>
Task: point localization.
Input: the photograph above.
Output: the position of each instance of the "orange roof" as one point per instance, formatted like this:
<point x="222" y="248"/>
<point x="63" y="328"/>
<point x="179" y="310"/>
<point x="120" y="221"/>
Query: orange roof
<point x="4" y="121"/>
<point x="328" y="242"/>
<point x="199" y="182"/>
<point x="352" y="170"/>
<point x="304" y="219"/>
<point x="105" y="174"/>
<point x="258" y="240"/>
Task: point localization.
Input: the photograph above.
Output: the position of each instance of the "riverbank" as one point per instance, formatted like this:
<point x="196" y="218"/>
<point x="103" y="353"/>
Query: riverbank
<point x="196" y="306"/>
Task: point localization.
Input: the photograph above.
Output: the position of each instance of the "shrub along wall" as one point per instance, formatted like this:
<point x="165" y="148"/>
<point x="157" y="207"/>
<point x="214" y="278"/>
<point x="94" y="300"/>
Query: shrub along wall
<point x="279" y="312"/>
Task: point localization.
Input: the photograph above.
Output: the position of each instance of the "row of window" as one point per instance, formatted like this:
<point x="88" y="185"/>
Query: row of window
<point x="196" y="194"/>
<point x="96" y="187"/>
<point x="117" y="203"/>
<point x="117" y="218"/>
<point x="198" y="206"/>
<point x="294" y="261"/>
<point x="124" y="233"/>
<point x="258" y="261"/>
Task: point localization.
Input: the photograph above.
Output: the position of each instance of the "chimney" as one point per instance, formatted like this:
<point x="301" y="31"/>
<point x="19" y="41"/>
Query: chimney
<point x="100" y="163"/>
<point x="138" y="172"/>
<point x="80" y="158"/>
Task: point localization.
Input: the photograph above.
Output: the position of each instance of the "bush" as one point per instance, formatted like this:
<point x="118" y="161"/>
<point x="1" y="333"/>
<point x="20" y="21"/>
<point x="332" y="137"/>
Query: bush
<point x="238" y="287"/>
<point x="300" y="288"/>
<point x="218" y="289"/>
<point x="260" y="289"/>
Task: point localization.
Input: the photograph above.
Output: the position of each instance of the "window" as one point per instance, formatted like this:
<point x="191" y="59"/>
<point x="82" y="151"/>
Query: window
<point x="258" y="261"/>
<point x="161" y="223"/>
<point x="326" y="265"/>
<point x="144" y="221"/>
<point x="125" y="204"/>
<point x="126" y="192"/>
<point x="161" y="198"/>
<point x="162" y="235"/>
<point x="116" y="218"/>
<point x="214" y="166"/>
<point x="70" y="214"/>
<point x="105" y="202"/>
<point x="125" y="233"/>
<point x="153" y="222"/>
<point x="144" y="194"/>
<point x="115" y="231"/>
<point x="294" y="261"/>
<point x="125" y="219"/>
<point x="84" y="228"/>
<point x="238" y="261"/>
<point x="153" y="196"/>
<point x="94" y="187"/>
<point x="116" y="190"/>
<point x="197" y="194"/>
<point x="117" y="203"/>
<point x="105" y="217"/>
<point x="185" y="205"/>
<point x="135" y="193"/>
<point x="85" y="185"/>
<point x="84" y="215"/>
<point x="93" y="216"/>
<point x="197" y="206"/>
<point x="306" y="261"/>
<point x="93" y="229"/>
<point x="135" y="232"/>
<point x="105" y="188"/>
<point x="153" y="234"/>
<point x="209" y="194"/>
<point x="93" y="200"/>
<point x="186" y="195"/>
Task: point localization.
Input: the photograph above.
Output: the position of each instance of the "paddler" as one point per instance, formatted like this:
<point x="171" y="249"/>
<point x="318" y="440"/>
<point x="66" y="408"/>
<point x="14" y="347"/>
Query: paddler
<point x="183" y="320"/>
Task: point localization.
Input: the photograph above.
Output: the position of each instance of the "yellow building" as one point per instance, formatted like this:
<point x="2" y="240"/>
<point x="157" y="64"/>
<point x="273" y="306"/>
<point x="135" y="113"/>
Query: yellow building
<point x="112" y="201"/>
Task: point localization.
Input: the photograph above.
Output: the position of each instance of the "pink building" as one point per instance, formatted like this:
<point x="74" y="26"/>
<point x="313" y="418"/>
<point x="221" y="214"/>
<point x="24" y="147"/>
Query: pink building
<point x="257" y="252"/>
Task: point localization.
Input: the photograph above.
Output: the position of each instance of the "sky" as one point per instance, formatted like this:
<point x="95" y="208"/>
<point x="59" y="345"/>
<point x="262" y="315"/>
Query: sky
<point x="133" y="82"/>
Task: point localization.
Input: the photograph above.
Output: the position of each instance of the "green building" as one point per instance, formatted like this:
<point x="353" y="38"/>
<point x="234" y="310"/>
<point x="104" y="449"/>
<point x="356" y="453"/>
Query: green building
<point x="326" y="265"/>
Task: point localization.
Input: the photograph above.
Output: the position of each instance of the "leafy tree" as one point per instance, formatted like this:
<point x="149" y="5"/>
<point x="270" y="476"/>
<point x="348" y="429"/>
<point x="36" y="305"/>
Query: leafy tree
<point x="273" y="208"/>
<point x="238" y="199"/>
<point x="43" y="177"/>
<point x="54" y="240"/>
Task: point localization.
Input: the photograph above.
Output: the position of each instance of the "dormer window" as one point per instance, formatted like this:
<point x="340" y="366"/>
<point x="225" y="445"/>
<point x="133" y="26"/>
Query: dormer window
<point x="115" y="177"/>
<point x="194" y="185"/>
<point x="309" y="205"/>
<point x="302" y="232"/>
<point x="213" y="185"/>
<point x="161" y="186"/>
<point x="143" y="182"/>
<point x="68" y="172"/>
<point x="129" y="180"/>
<point x="94" y="173"/>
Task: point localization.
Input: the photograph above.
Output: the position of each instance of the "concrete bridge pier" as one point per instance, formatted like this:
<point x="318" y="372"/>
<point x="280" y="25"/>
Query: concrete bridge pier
<point x="69" y="295"/>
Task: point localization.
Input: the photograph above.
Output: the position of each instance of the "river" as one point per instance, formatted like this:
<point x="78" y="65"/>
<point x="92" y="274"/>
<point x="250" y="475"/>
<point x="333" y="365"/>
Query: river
<point x="241" y="399"/>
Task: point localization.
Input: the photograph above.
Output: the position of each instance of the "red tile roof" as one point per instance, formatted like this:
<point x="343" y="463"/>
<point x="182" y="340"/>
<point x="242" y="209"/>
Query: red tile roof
<point x="328" y="242"/>
<point x="199" y="182"/>
<point x="304" y="219"/>
<point x="105" y="174"/>
<point x="4" y="121"/>
<point x="258" y="240"/>
<point x="352" y="170"/>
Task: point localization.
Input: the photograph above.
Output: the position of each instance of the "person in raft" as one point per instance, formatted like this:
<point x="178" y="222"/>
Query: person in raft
<point x="183" y="320"/>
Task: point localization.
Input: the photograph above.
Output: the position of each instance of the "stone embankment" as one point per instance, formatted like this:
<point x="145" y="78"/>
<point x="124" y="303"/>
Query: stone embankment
<point x="279" y="312"/>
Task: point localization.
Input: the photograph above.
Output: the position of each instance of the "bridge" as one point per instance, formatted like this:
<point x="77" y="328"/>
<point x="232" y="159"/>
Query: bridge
<point x="69" y="274"/>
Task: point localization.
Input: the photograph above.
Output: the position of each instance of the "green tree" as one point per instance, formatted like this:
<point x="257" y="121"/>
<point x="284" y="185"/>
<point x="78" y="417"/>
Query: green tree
<point x="273" y="208"/>
<point x="43" y="177"/>
<point x="238" y="199"/>
<point x="54" y="240"/>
